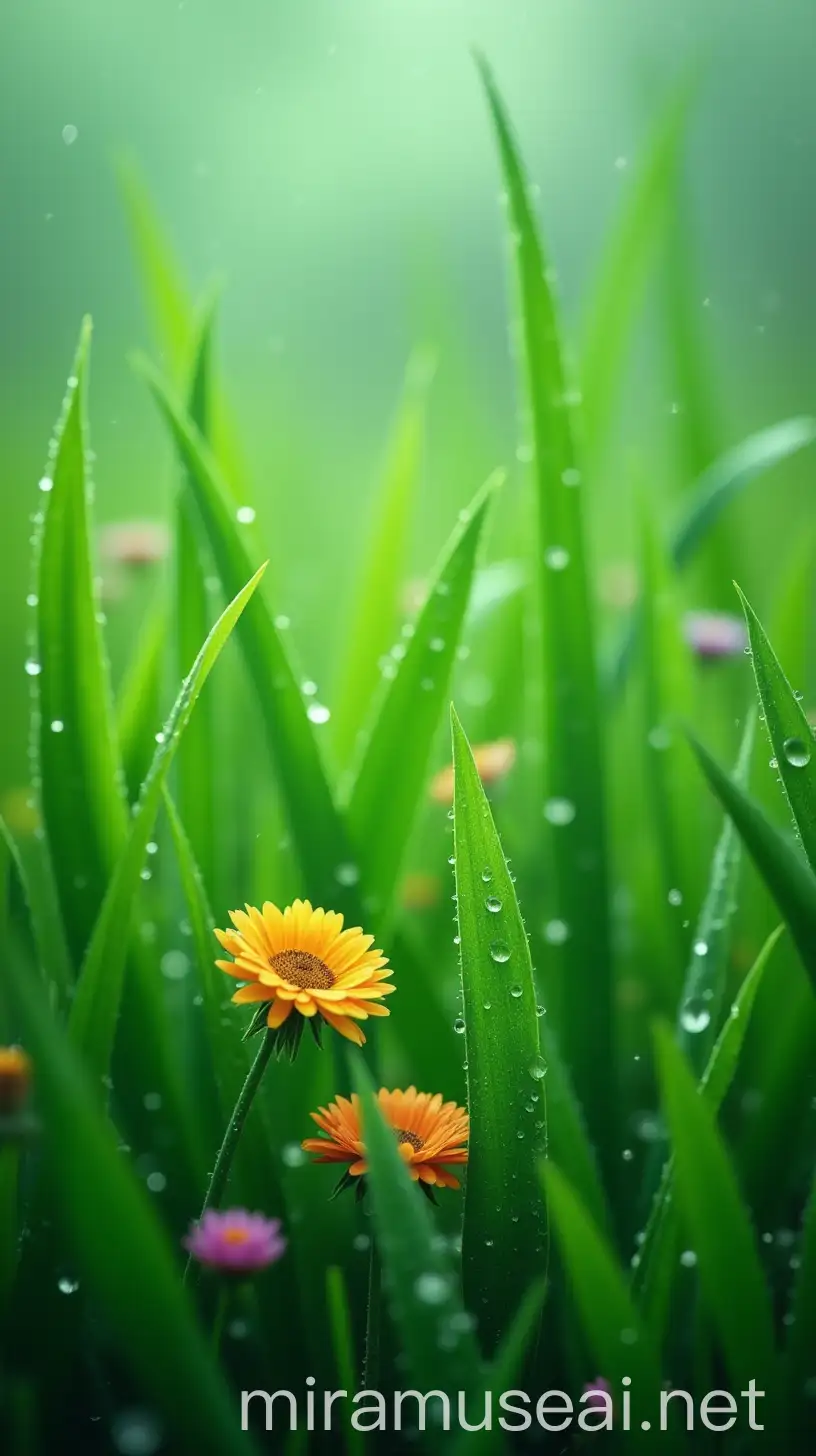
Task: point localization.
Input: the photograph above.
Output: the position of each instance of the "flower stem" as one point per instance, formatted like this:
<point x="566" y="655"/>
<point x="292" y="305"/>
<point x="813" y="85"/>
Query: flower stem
<point x="226" y="1152"/>
<point x="220" y="1317"/>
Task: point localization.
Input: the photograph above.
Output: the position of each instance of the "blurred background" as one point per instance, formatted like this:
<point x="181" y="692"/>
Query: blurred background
<point x="332" y="165"/>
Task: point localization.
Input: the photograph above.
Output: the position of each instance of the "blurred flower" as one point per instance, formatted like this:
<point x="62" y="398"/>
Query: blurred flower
<point x="15" y="1080"/>
<point x="234" y="1241"/>
<point x="714" y="634"/>
<point x="493" y="761"/>
<point x="134" y="543"/>
<point x="20" y="812"/>
<point x="420" y="892"/>
<point x="429" y="1132"/>
<point x="302" y="960"/>
<point x="596" y="1390"/>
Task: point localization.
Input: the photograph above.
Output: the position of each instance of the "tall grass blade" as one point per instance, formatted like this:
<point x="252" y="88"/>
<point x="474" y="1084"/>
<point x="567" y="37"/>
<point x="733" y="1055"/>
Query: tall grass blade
<point x="612" y="1327"/>
<point x="387" y="790"/>
<point x="132" y="1275"/>
<point x="381" y="573"/>
<point x="789" y="731"/>
<point x="719" y="484"/>
<point x="81" y="793"/>
<point x="318" y="831"/>
<point x="788" y="879"/>
<point x="629" y="257"/>
<point x="96" y="1004"/>
<point x="801" y="1384"/>
<point x="168" y="298"/>
<point x="506" y="1069"/>
<point x="572" y="748"/>
<point x="342" y="1337"/>
<point x="437" y="1339"/>
<point x="656" y="1262"/>
<point x="707" y="970"/>
<point x="139" y="702"/>
<point x="717" y="1225"/>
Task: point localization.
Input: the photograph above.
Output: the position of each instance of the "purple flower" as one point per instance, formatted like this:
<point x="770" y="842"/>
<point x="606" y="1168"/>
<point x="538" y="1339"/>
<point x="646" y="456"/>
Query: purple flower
<point x="596" y="1390"/>
<point x="234" y="1241"/>
<point x="713" y="635"/>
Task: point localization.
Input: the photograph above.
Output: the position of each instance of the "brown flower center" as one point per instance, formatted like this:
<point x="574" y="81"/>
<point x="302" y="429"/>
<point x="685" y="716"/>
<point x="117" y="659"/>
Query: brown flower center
<point x="300" y="968"/>
<point x="410" y="1137"/>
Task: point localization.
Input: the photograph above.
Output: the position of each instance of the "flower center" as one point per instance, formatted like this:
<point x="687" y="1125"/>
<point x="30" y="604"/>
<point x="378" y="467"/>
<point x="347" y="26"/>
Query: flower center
<point x="300" y="968"/>
<point x="416" y="1142"/>
<point x="235" y="1236"/>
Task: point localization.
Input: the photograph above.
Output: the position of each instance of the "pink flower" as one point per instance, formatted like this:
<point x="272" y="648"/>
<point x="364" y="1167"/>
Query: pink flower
<point x="714" y="634"/>
<point x="135" y="543"/>
<point x="234" y="1241"/>
<point x="595" y="1390"/>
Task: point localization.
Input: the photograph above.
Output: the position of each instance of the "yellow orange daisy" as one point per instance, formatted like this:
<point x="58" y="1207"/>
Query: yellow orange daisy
<point x="430" y="1134"/>
<point x="15" y="1078"/>
<point x="301" y="960"/>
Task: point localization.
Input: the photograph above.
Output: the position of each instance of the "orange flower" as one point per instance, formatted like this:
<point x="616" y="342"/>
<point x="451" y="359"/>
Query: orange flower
<point x="430" y="1133"/>
<point x="302" y="960"/>
<point x="493" y="761"/>
<point x="15" y="1079"/>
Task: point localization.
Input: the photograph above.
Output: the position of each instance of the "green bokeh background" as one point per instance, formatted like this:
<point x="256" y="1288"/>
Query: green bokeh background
<point x="332" y="164"/>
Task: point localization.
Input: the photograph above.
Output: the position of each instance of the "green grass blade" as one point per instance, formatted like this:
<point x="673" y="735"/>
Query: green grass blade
<point x="132" y="1276"/>
<point x="716" y="1223"/>
<point x="96" y="1004"/>
<point x="376" y="607"/>
<point x="789" y="731"/>
<point x="801" y="1377"/>
<point x="82" y="803"/>
<point x="437" y="1339"/>
<point x="342" y="1338"/>
<point x="388" y="788"/>
<point x="193" y="612"/>
<point x="168" y="299"/>
<point x="788" y="879"/>
<point x="506" y="1068"/>
<point x="633" y="245"/>
<point x="656" y="1262"/>
<point x="721" y="483"/>
<point x="318" y="831"/>
<point x="138" y="707"/>
<point x="612" y="1327"/>
<point x="572" y="749"/>
<point x="707" y="970"/>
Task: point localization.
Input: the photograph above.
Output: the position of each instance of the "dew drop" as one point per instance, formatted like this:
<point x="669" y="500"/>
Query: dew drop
<point x="459" y="1026"/>
<point x="688" y="1258"/>
<point x="70" y="134"/>
<point x="317" y="713"/>
<point x="700" y="947"/>
<point x="245" y="515"/>
<point x="45" y="484"/>
<point x="68" y="1286"/>
<point x="487" y="875"/>
<point x="516" y="990"/>
<point x="33" y="667"/>
<point x="293" y="1155"/>
<point x="797" y="752"/>
<point x="559" y="811"/>
<point x="556" y="558"/>
<point x="347" y="874"/>
<point x="32" y="600"/>
<point x="57" y="725"/>
<point x="432" y="1288"/>
<point x="493" y="904"/>
<point x="537" y="1068"/>
<point x="675" y="897"/>
<point x="499" y="952"/>
<point x="175" y="965"/>
<point x="695" y="1016"/>
<point x="556" y="932"/>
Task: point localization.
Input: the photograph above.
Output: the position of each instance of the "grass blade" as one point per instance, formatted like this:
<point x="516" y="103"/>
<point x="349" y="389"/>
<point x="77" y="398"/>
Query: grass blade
<point x="721" y="483"/>
<point x="436" y="1338"/>
<point x="656" y="1264"/>
<point x="318" y="831"/>
<point x="376" y="607"/>
<point x="630" y="253"/>
<point x="387" y="790"/>
<point x="717" y="1224"/>
<point x="787" y="877"/>
<point x="708" y="967"/>
<point x="572" y="749"/>
<point x="138" y="708"/>
<point x="168" y="298"/>
<point x="505" y="1065"/>
<point x="801" y="1386"/>
<point x="789" y="731"/>
<point x="342" y="1338"/>
<point x="82" y="803"/>
<point x="96" y="1004"/>
<point x="133" y="1276"/>
<point x="611" y="1324"/>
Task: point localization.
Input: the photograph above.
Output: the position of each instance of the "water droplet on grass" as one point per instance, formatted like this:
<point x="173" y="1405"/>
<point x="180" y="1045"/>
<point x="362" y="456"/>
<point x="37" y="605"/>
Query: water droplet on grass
<point x="516" y="991"/>
<point x="245" y="515"/>
<point x="317" y="713"/>
<point x="33" y="667"/>
<point x="432" y="1288"/>
<point x="493" y="904"/>
<point x="556" y="558"/>
<point x="559" y="811"/>
<point x="695" y="1016"/>
<point x="556" y="932"/>
<point x="459" y="1026"/>
<point x="797" y="752"/>
<point x="537" y="1068"/>
<point x="70" y="134"/>
<point x="68" y="1286"/>
<point x="500" y="952"/>
<point x="57" y="725"/>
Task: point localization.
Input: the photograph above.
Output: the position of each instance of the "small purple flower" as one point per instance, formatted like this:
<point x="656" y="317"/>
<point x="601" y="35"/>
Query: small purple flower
<point x="234" y="1241"/>
<point x="713" y="635"/>
<point x="596" y="1390"/>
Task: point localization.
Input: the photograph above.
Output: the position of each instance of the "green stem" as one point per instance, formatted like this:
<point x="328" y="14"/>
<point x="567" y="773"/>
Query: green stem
<point x="371" y="1359"/>
<point x="220" y="1317"/>
<point x="235" y="1126"/>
